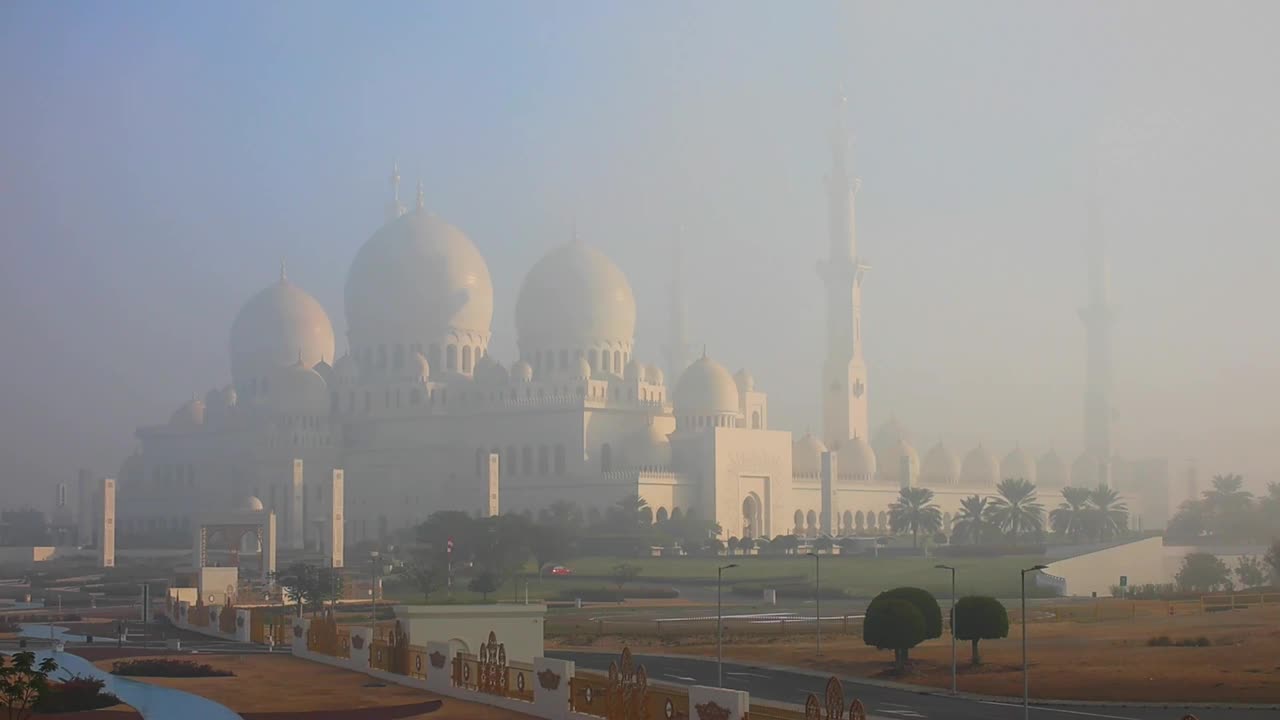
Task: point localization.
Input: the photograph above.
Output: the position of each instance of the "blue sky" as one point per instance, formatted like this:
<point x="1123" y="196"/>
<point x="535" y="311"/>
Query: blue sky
<point x="159" y="159"/>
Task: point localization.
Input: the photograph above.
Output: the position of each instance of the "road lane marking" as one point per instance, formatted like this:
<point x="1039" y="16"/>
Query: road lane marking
<point x="681" y="677"/>
<point x="747" y="674"/>
<point x="1060" y="710"/>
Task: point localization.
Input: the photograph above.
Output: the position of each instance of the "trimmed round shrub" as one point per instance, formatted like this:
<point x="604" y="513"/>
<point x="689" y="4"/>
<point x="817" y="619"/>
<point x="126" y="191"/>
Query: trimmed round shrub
<point x="980" y="618"/>
<point x="893" y="624"/>
<point x="926" y="603"/>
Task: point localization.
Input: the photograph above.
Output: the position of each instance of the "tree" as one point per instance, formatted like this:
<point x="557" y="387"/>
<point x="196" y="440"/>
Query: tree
<point x="298" y="581"/>
<point x="623" y="573"/>
<point x="1273" y="559"/>
<point x="426" y="576"/>
<point x="823" y="545"/>
<point x="629" y="510"/>
<point x="1228" y="506"/>
<point x="732" y="545"/>
<point x="1203" y="572"/>
<point x="1107" y="517"/>
<point x="484" y="583"/>
<point x="914" y="510"/>
<point x="565" y="514"/>
<point x="1070" y="517"/>
<point x="926" y="603"/>
<point x="328" y="586"/>
<point x="23" y="682"/>
<point x="1251" y="571"/>
<point x="978" y="617"/>
<point x="972" y="525"/>
<point x="550" y="543"/>
<point x="893" y="624"/>
<point x="1016" y="511"/>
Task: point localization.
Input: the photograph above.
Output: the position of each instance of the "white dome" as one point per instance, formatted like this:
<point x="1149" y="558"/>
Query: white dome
<point x="522" y="371"/>
<point x="647" y="448"/>
<point x="889" y="462"/>
<point x="941" y="466"/>
<point x="583" y="369"/>
<point x="745" y="382"/>
<point x="806" y="455"/>
<point x="1017" y="465"/>
<point x="250" y="504"/>
<point x="576" y="298"/>
<point x="653" y="375"/>
<point x="274" y="328"/>
<point x="1050" y="470"/>
<point x="979" y="468"/>
<point x="190" y="415"/>
<point x="297" y="390"/>
<point x="856" y="458"/>
<point x="418" y="280"/>
<point x="705" y="388"/>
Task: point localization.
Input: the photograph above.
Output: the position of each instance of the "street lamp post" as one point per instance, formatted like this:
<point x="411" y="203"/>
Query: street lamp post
<point x="817" y="599"/>
<point x="1026" y="686"/>
<point x="720" y="626"/>
<point x="953" y="623"/>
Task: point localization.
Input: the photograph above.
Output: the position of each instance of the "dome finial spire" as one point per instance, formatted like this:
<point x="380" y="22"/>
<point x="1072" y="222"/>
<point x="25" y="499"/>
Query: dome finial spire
<point x="284" y="276"/>
<point x="422" y="198"/>
<point x="395" y="209"/>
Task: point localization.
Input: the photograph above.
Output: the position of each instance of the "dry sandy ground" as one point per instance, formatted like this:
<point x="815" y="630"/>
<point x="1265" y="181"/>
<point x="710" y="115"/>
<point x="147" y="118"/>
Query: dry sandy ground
<point x="1107" y="660"/>
<point x="282" y="683"/>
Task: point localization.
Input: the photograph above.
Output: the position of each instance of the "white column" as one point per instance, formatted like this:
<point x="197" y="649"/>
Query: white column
<point x="107" y="533"/>
<point x="551" y="679"/>
<point x="334" y="539"/>
<point x="295" y="538"/>
<point x="702" y="698"/>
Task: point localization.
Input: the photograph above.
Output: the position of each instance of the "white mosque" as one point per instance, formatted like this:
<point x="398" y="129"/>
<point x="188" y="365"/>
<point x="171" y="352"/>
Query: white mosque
<point x="421" y="417"/>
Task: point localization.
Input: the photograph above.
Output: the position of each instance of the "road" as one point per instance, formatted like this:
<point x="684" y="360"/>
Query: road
<point x="882" y="702"/>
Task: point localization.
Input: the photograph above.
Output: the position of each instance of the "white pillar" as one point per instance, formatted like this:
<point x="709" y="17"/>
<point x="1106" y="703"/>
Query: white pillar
<point x="551" y="680"/>
<point x="333" y="538"/>
<point x="269" y="545"/>
<point x="294" y="539"/>
<point x="107" y="533"/>
<point x="439" y="679"/>
<point x="703" y="701"/>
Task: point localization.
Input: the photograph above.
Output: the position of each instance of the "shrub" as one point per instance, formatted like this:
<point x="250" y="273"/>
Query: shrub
<point x="75" y="694"/>
<point x="893" y="623"/>
<point x="1159" y="641"/>
<point x="160" y="667"/>
<point x="977" y="618"/>
<point x="926" y="603"/>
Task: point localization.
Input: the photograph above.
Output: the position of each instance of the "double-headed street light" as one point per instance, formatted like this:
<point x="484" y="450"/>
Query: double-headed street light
<point x="953" y="623"/>
<point x="1026" y="687"/>
<point x="720" y="626"/>
<point x="817" y="598"/>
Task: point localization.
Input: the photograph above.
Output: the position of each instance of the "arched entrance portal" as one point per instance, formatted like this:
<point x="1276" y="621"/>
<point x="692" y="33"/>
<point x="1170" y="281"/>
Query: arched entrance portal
<point x="752" y="520"/>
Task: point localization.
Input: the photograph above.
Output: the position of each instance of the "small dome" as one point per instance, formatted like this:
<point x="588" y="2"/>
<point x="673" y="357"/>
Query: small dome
<point x="575" y="297"/>
<point x="1050" y="470"/>
<point x="417" y="279"/>
<point x="522" y="371"/>
<point x="297" y="390"/>
<point x="653" y="375"/>
<point x="706" y="388"/>
<point x="806" y="455"/>
<point x="250" y="504"/>
<point x="583" y="369"/>
<point x="635" y="371"/>
<point x="1017" y="465"/>
<point x="190" y="415"/>
<point x="979" y="468"/>
<point x="855" y="458"/>
<point x="1086" y="471"/>
<point x="274" y="328"/>
<point x="941" y="466"/>
<point x="647" y="448"/>
<point x="889" y="463"/>
<point x="745" y="382"/>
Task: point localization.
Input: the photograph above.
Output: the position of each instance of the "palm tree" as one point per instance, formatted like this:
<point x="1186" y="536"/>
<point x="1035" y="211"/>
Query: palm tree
<point x="915" y="510"/>
<point x="630" y="510"/>
<point x="1070" y="518"/>
<point x="1016" y="511"/>
<point x="565" y="514"/>
<point x="973" y="522"/>
<point x="1227" y="503"/>
<point x="1108" y="516"/>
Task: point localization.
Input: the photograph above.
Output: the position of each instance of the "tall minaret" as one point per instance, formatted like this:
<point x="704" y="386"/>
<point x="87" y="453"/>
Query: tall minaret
<point x="677" y="349"/>
<point x="394" y="208"/>
<point x="1098" y="316"/>
<point x="844" y="372"/>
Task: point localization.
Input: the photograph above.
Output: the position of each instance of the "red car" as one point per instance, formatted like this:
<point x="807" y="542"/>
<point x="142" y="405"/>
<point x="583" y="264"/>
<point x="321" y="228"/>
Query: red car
<point x="561" y="570"/>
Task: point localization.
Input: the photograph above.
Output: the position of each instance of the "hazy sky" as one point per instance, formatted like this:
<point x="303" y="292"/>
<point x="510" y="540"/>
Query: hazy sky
<point x="157" y="160"/>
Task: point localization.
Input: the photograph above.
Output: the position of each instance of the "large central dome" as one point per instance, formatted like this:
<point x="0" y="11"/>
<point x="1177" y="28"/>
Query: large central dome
<point x="279" y="326"/>
<point x="576" y="299"/>
<point x="418" y="281"/>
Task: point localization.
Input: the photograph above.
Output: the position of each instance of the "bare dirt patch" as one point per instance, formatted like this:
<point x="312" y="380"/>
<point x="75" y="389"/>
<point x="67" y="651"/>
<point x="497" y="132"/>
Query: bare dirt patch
<point x="1106" y="660"/>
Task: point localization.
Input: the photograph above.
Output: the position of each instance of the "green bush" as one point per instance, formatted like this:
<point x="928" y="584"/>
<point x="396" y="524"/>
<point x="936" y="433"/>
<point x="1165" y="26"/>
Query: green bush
<point x="75" y="694"/>
<point x="160" y="667"/>
<point x="893" y="623"/>
<point x="926" y="603"/>
<point x="978" y="617"/>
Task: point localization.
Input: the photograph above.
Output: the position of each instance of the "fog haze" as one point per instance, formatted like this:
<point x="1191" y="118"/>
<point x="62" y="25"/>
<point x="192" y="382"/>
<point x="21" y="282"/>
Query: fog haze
<point x="157" y="162"/>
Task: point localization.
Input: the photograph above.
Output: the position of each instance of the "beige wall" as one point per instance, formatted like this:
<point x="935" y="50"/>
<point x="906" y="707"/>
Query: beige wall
<point x="467" y="627"/>
<point x="1142" y="561"/>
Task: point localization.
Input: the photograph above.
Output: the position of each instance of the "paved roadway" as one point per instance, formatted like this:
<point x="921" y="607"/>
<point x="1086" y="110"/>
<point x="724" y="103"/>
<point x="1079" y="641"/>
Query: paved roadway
<point x="888" y="703"/>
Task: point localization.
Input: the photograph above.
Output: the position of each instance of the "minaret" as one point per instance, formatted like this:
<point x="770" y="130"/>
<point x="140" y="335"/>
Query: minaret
<point x="677" y="348"/>
<point x="844" y="372"/>
<point x="394" y="208"/>
<point x="1098" y="316"/>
